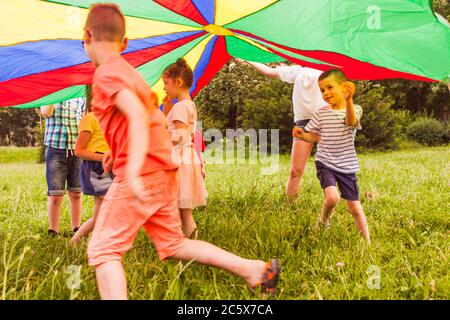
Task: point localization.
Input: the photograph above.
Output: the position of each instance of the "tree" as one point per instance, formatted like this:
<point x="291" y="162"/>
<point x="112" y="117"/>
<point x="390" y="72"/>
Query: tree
<point x="221" y="103"/>
<point x="17" y="127"/>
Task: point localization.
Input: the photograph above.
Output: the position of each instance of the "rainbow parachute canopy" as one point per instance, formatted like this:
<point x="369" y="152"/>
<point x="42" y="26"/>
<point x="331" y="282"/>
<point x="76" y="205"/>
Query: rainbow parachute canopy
<point x="43" y="62"/>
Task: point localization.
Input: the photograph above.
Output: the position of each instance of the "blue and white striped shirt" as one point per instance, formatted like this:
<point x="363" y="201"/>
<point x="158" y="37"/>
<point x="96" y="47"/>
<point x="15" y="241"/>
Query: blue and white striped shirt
<point x="336" y="148"/>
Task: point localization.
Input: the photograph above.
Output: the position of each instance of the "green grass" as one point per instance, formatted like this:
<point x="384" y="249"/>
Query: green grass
<point x="18" y="155"/>
<point x="249" y="215"/>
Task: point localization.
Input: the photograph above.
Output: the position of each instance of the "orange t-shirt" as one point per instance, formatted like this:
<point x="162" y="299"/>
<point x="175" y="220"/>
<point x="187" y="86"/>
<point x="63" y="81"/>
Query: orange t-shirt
<point x="110" y="79"/>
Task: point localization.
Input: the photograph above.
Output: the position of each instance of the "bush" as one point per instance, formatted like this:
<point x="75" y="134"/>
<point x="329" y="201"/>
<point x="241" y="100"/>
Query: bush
<point x="270" y="107"/>
<point x="428" y="131"/>
<point x="380" y="124"/>
<point x="404" y="119"/>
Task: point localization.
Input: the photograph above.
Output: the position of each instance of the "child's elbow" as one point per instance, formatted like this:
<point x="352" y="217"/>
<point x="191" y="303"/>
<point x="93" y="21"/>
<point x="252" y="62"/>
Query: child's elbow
<point x="78" y="152"/>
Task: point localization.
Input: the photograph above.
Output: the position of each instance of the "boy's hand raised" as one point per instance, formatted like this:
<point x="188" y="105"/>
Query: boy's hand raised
<point x="349" y="90"/>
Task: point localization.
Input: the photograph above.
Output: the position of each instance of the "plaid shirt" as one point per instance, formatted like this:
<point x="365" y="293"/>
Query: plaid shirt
<point x="61" y="129"/>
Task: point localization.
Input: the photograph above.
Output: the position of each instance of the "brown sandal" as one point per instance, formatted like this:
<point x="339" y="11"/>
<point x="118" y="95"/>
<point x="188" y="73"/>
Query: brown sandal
<point x="270" y="277"/>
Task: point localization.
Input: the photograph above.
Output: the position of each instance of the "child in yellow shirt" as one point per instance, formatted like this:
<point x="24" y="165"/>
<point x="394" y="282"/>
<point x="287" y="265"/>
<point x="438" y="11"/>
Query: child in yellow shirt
<point x="91" y="146"/>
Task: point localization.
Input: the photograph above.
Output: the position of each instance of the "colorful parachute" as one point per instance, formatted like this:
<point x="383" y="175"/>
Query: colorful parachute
<point x="42" y="60"/>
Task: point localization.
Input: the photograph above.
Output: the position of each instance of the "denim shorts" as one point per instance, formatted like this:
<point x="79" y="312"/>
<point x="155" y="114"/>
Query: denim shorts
<point x="301" y="124"/>
<point x="94" y="180"/>
<point x="62" y="167"/>
<point x="347" y="183"/>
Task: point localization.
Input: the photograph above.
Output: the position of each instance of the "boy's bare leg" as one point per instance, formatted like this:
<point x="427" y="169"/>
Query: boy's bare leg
<point x="357" y="212"/>
<point x="189" y="225"/>
<point x="54" y="212"/>
<point x="207" y="254"/>
<point x="301" y="150"/>
<point x="88" y="226"/>
<point x="332" y="199"/>
<point x="75" y="208"/>
<point x="111" y="280"/>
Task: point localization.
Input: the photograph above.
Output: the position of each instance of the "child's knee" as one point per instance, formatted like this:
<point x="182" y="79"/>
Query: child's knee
<point x="74" y="195"/>
<point x="174" y="251"/>
<point x="56" y="200"/>
<point x="98" y="255"/>
<point x="96" y="260"/>
<point x="333" y="199"/>
<point x="297" y="172"/>
<point x="355" y="208"/>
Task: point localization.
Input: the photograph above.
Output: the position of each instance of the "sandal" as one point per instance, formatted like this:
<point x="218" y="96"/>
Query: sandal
<point x="270" y="277"/>
<point x="52" y="233"/>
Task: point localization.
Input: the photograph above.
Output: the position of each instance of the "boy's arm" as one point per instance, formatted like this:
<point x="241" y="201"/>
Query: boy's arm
<point x="305" y="136"/>
<point x="262" y="68"/>
<point x="139" y="139"/>
<point x="47" y="111"/>
<point x="351" y="118"/>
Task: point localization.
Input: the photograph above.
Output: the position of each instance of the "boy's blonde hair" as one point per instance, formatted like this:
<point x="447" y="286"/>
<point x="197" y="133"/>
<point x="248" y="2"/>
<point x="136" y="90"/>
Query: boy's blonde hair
<point x="106" y="22"/>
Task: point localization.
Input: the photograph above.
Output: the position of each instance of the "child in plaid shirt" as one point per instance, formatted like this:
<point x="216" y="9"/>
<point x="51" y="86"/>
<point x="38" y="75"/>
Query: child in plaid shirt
<point x="61" y="131"/>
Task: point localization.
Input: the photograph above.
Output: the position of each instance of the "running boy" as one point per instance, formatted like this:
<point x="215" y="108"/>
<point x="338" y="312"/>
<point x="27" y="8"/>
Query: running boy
<point x="334" y="128"/>
<point x="145" y="189"/>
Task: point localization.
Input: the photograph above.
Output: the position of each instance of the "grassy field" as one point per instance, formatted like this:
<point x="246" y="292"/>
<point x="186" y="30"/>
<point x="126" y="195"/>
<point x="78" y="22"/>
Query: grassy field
<point x="248" y="214"/>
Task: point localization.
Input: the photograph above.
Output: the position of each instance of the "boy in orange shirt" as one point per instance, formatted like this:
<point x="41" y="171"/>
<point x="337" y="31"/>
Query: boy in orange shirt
<point x="145" y="189"/>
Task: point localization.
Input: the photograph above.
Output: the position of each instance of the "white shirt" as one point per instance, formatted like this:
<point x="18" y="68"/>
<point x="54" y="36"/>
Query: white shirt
<point x="307" y="98"/>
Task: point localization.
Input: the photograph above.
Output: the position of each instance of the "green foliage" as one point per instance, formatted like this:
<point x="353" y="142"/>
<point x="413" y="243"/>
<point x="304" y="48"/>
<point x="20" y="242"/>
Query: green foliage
<point x="269" y="106"/>
<point x="442" y="7"/>
<point x="39" y="133"/>
<point x="379" y="122"/>
<point x="420" y="98"/>
<point x="428" y="131"/>
<point x="404" y="119"/>
<point x="17" y="127"/>
<point x="221" y="103"/>
<point x="240" y="98"/>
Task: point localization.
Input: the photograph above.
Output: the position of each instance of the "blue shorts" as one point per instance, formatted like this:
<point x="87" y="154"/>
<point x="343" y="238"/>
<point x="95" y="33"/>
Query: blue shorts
<point x="94" y="180"/>
<point x="62" y="166"/>
<point x="347" y="183"/>
<point x="301" y="124"/>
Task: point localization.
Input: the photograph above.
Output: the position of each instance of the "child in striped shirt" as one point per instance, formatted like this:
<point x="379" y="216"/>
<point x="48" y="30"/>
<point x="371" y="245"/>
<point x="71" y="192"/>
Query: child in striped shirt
<point x="334" y="129"/>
